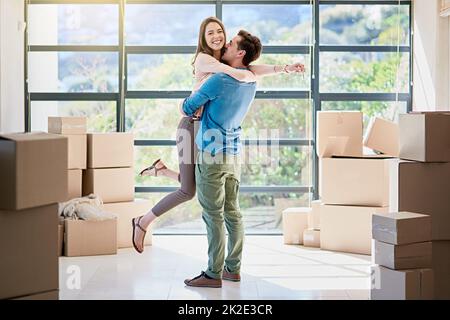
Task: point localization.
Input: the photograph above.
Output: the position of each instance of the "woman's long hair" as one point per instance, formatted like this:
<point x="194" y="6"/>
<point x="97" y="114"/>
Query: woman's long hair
<point x="202" y="46"/>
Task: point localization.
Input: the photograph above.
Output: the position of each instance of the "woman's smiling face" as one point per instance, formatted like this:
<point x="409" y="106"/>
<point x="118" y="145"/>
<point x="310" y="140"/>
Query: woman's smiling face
<point x="214" y="36"/>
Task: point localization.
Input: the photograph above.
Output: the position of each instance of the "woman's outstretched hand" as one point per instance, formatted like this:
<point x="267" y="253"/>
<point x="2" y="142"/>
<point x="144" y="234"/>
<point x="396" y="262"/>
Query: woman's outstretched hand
<point x="295" y="67"/>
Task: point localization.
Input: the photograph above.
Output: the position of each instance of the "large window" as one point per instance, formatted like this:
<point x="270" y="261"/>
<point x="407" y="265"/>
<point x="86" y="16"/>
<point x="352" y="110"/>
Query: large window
<point x="126" y="65"/>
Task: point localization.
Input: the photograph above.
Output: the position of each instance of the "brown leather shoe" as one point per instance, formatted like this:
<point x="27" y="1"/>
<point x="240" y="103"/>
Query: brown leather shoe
<point x="203" y="281"/>
<point x="236" y="277"/>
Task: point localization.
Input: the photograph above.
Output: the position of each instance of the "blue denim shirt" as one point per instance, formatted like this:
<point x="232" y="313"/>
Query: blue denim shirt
<point x="226" y="102"/>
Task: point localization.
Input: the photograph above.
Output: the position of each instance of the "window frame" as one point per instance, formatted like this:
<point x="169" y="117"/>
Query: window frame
<point x="314" y="49"/>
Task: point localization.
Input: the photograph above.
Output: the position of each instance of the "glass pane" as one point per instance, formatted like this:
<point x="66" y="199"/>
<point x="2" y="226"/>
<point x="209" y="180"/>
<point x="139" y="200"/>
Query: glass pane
<point x="277" y="166"/>
<point x="160" y="72"/>
<point x="152" y="118"/>
<point x="73" y="72"/>
<point x="74" y="24"/>
<point x="101" y="115"/>
<point x="364" y="72"/>
<point x="364" y="24"/>
<point x="295" y="81"/>
<point x="165" y="24"/>
<point x="159" y="118"/>
<point x="290" y="117"/>
<point x="273" y="24"/>
<point x="261" y="212"/>
<point x="261" y="166"/>
<point x="388" y="110"/>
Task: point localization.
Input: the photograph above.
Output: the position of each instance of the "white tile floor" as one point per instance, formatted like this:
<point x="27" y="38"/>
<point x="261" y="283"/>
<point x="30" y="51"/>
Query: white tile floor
<point x="270" y="270"/>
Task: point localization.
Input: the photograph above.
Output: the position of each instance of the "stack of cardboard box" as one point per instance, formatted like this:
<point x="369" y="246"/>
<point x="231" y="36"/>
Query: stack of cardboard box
<point x="423" y="183"/>
<point x="74" y="129"/>
<point x="110" y="176"/>
<point x="33" y="167"/>
<point x="352" y="186"/>
<point x="403" y="257"/>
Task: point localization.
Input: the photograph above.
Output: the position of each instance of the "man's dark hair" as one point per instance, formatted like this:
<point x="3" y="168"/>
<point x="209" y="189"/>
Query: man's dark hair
<point x="251" y="45"/>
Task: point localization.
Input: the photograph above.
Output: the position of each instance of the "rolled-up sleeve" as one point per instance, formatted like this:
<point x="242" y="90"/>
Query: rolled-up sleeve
<point x="208" y="91"/>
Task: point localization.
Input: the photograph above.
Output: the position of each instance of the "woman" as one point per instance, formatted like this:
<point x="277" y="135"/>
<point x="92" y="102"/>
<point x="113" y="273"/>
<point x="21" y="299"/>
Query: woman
<point x="211" y="45"/>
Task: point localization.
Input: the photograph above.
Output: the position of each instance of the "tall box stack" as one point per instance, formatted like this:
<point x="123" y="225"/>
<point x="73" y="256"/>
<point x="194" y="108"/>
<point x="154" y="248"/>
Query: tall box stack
<point x="424" y="181"/>
<point x="352" y="186"/>
<point x="74" y="129"/>
<point x="109" y="175"/>
<point x="403" y="257"/>
<point x="33" y="167"/>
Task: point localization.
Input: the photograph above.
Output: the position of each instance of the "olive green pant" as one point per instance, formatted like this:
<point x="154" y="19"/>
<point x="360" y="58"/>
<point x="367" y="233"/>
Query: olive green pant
<point x="218" y="193"/>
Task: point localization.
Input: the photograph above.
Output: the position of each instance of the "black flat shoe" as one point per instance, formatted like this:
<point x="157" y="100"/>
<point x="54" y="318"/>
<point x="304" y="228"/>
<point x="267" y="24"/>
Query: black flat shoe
<point x="153" y="167"/>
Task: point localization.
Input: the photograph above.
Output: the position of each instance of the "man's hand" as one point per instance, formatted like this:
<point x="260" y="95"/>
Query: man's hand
<point x="198" y="113"/>
<point x="295" y="67"/>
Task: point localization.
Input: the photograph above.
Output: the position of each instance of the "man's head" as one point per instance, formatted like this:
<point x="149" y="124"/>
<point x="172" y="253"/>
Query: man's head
<point x="242" y="49"/>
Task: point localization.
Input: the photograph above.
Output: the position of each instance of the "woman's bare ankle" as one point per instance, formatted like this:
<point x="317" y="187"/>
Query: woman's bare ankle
<point x="148" y="219"/>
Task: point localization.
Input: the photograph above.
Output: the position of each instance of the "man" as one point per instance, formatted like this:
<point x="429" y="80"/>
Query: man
<point x="217" y="173"/>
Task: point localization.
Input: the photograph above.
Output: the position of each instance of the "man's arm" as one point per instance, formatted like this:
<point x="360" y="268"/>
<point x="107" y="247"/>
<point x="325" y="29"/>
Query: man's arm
<point x="208" y="91"/>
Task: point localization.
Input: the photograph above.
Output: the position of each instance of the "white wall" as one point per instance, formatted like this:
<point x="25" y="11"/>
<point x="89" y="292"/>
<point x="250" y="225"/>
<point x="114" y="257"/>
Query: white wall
<point x="11" y="66"/>
<point x="43" y="66"/>
<point x="431" y="67"/>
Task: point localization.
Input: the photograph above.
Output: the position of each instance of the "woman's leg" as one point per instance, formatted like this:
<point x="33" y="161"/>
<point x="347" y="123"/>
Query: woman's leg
<point x="186" y="146"/>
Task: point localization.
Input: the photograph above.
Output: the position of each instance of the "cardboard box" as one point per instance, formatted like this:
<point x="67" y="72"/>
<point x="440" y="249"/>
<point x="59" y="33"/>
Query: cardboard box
<point x="407" y="256"/>
<point x="424" y="188"/>
<point x="125" y="211"/>
<point x="413" y="284"/>
<point x="382" y="136"/>
<point x="60" y="239"/>
<point x="356" y="181"/>
<point x="90" y="238"/>
<point x="110" y="150"/>
<point x="33" y="170"/>
<point x="28" y="251"/>
<point x="112" y="185"/>
<point x="425" y="136"/>
<point x="441" y="267"/>
<point x="67" y="125"/>
<point x="311" y="238"/>
<point x="295" y="221"/>
<point x="347" y="228"/>
<point x="401" y="227"/>
<point x="74" y="180"/>
<point x="77" y="151"/>
<point x="314" y="215"/>
<point x="49" y="295"/>
<point x="339" y="133"/>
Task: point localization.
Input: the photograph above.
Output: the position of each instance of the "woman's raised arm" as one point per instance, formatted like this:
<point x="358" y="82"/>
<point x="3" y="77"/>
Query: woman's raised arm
<point x="261" y="70"/>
